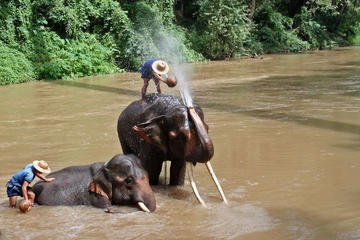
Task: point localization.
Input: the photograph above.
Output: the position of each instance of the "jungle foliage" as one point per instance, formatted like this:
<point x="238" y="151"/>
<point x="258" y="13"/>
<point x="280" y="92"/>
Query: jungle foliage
<point x="52" y="39"/>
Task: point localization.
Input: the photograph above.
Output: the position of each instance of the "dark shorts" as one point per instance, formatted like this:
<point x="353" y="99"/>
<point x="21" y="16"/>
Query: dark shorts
<point x="146" y="73"/>
<point x="13" y="190"/>
<point x="146" y="69"/>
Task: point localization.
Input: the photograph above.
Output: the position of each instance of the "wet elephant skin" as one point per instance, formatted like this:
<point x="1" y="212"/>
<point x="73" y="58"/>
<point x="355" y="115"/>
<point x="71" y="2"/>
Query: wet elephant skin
<point x="120" y="181"/>
<point x="163" y="130"/>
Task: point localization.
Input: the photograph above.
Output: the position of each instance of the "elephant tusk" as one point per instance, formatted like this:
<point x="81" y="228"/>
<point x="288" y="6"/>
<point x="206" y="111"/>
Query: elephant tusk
<point x="143" y="207"/>
<point x="213" y="176"/>
<point x="193" y="185"/>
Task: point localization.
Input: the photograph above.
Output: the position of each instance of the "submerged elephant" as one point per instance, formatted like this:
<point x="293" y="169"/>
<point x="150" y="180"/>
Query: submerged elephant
<point x="119" y="181"/>
<point x="164" y="129"/>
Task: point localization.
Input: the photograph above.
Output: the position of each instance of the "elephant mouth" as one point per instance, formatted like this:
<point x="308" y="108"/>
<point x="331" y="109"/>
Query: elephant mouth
<point x="197" y="155"/>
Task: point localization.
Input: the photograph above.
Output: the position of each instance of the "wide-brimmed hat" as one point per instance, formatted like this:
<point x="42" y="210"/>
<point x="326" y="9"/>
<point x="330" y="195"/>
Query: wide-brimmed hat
<point x="41" y="166"/>
<point x="160" y="67"/>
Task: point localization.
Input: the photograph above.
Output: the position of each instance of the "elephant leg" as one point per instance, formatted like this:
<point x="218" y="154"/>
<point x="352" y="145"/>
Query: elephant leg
<point x="152" y="162"/>
<point x="154" y="173"/>
<point x="177" y="172"/>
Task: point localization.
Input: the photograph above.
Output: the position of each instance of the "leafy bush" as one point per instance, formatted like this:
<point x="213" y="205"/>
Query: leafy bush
<point x="356" y="39"/>
<point x="310" y="30"/>
<point x="275" y="31"/>
<point x="15" y="22"/>
<point x="103" y="19"/>
<point x="14" y="66"/>
<point x="74" y="38"/>
<point x="221" y="29"/>
<point x="72" y="58"/>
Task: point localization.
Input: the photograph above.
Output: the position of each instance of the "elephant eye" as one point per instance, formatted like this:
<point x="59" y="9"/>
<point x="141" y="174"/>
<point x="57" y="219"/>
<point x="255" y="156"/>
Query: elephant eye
<point x="129" y="181"/>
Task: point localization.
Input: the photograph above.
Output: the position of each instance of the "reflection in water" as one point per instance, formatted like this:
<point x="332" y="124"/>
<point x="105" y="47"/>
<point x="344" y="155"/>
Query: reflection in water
<point x="286" y="135"/>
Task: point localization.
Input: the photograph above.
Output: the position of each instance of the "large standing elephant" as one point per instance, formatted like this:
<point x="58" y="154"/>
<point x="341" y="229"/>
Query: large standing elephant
<point x="164" y="130"/>
<point x="122" y="180"/>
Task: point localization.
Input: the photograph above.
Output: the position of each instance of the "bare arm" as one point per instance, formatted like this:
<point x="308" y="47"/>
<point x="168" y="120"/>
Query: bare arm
<point x="159" y="77"/>
<point x="39" y="175"/>
<point x="143" y="90"/>
<point x="24" y="190"/>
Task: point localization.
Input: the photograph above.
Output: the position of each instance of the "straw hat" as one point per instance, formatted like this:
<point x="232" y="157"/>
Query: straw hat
<point x="41" y="166"/>
<point x="160" y="67"/>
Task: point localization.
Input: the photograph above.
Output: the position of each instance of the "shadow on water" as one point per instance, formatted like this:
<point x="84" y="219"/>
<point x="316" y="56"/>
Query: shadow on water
<point x="96" y="87"/>
<point x="309" y="87"/>
<point x="258" y="113"/>
<point x="299" y="224"/>
<point x="271" y="115"/>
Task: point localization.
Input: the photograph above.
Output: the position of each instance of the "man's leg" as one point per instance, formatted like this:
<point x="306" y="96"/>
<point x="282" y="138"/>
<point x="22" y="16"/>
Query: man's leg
<point x="143" y="90"/>
<point x="12" y="201"/>
<point x="157" y="83"/>
<point x="31" y="196"/>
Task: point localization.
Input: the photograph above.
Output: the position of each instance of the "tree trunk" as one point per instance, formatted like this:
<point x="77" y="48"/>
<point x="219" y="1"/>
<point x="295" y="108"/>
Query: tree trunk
<point x="340" y="16"/>
<point x="252" y="9"/>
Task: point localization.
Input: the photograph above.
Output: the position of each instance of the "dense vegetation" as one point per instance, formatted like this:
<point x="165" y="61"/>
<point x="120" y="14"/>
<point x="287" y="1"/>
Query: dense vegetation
<point x="52" y="39"/>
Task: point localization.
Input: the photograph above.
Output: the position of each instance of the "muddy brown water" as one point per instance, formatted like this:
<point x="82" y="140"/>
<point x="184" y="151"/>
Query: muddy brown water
<point x="286" y="131"/>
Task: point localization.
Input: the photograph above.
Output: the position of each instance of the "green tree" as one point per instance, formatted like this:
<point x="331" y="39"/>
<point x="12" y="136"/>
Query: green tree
<point x="311" y="31"/>
<point x="275" y="31"/>
<point x="14" y="66"/>
<point x="222" y="27"/>
<point x="74" y="38"/>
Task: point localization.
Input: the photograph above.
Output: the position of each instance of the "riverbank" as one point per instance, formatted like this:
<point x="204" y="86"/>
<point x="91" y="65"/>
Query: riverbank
<point x="73" y="39"/>
<point x="243" y="57"/>
<point x="357" y="40"/>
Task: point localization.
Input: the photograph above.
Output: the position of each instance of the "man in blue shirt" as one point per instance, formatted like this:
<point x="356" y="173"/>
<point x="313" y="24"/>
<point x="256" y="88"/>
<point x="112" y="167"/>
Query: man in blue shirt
<point x="153" y="69"/>
<point x="19" y="183"/>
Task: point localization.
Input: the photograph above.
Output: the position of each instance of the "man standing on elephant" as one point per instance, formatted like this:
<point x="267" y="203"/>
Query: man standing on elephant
<point x="19" y="183"/>
<point x="153" y="69"/>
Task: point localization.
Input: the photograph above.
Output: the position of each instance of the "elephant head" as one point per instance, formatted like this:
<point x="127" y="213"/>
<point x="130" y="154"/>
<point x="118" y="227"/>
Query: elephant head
<point x="122" y="180"/>
<point x="180" y="133"/>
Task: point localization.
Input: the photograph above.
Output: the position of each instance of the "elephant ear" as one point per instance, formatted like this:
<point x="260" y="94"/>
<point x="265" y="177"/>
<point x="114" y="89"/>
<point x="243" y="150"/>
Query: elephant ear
<point x="152" y="132"/>
<point x="100" y="184"/>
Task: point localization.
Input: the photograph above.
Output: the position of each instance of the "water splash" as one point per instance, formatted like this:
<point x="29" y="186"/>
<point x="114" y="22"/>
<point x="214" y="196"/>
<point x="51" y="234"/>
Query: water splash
<point x="181" y="73"/>
<point x="171" y="47"/>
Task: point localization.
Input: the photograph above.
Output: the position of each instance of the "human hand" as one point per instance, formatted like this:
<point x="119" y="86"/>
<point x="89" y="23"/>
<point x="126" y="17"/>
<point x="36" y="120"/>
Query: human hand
<point x="49" y="179"/>
<point x="158" y="76"/>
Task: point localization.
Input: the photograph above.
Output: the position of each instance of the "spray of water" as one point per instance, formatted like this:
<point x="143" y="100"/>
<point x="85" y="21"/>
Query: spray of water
<point x="181" y="75"/>
<point x="171" y="48"/>
<point x="181" y="71"/>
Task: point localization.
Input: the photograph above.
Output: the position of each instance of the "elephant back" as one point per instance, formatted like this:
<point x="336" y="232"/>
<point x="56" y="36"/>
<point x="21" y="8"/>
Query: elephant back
<point x="160" y="103"/>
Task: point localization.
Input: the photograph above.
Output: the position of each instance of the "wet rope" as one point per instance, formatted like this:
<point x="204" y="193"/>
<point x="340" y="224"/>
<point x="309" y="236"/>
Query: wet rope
<point x="165" y="172"/>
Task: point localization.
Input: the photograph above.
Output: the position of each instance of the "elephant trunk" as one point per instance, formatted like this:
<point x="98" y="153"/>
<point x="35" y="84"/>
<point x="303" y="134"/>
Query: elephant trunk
<point x="144" y="195"/>
<point x="206" y="143"/>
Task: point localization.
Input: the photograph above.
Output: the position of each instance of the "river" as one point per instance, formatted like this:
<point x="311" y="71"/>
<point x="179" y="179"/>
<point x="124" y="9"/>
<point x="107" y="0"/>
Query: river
<point x="286" y="132"/>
